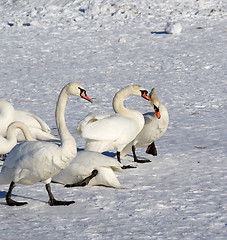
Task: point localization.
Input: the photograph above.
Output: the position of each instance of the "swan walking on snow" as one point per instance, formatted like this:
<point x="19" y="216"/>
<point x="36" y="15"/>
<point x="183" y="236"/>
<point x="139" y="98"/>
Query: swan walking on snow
<point x="37" y="127"/>
<point x="31" y="162"/>
<point x="90" y="168"/>
<point x="109" y="132"/>
<point x="155" y="126"/>
<point x="6" y="144"/>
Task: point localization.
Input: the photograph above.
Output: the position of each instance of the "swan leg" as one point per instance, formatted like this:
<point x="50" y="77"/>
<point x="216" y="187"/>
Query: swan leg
<point x="125" y="166"/>
<point x="135" y="157"/>
<point x="85" y="181"/>
<point x="151" y="149"/>
<point x="52" y="201"/>
<point x="9" y="200"/>
<point x="119" y="157"/>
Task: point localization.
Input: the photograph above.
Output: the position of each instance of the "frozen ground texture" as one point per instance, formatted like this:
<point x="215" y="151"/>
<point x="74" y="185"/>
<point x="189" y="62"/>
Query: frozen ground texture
<point x="106" y="45"/>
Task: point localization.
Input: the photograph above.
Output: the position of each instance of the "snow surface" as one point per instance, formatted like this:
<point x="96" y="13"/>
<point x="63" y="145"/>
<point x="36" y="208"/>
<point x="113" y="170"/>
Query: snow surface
<point x="106" y="45"/>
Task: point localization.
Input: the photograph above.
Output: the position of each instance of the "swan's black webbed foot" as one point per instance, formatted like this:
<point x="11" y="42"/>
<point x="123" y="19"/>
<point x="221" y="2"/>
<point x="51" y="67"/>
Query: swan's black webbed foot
<point x="85" y="181"/>
<point x="151" y="149"/>
<point x="127" y="166"/>
<point x="54" y="202"/>
<point x="11" y="202"/>
<point x="135" y="157"/>
<point x="142" y="161"/>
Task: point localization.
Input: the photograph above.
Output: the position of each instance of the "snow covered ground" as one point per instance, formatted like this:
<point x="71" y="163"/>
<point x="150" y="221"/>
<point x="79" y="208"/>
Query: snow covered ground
<point x="106" y="45"/>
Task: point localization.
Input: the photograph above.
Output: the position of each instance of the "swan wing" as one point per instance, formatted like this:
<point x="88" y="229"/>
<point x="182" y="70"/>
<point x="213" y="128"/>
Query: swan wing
<point x="94" y="159"/>
<point x="37" y="134"/>
<point x="90" y="119"/>
<point x="108" y="129"/>
<point x="7" y="116"/>
<point x="84" y="163"/>
<point x="31" y="120"/>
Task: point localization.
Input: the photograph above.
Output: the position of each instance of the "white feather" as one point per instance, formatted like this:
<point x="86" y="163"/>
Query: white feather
<point x="83" y="165"/>
<point x="109" y="132"/>
<point x="153" y="128"/>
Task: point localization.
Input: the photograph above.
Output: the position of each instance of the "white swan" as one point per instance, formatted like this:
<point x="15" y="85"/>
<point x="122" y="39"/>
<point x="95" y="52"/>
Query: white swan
<point x="90" y="168"/>
<point x="7" y="116"/>
<point x="31" y="162"/>
<point x="6" y="144"/>
<point x="109" y="132"/>
<point x="37" y="127"/>
<point x="155" y="126"/>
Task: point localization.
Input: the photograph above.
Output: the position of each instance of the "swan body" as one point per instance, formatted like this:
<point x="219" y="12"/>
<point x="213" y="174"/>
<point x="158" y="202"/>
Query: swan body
<point x="6" y="144"/>
<point x="30" y="162"/>
<point x="115" y="131"/>
<point x="38" y="128"/>
<point x="32" y="120"/>
<point x="7" y="116"/>
<point x="109" y="132"/>
<point x="83" y="165"/>
<point x="155" y="126"/>
<point x="26" y="171"/>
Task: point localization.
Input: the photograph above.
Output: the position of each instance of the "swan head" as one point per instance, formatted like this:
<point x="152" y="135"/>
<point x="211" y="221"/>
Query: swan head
<point x="77" y="89"/>
<point x="138" y="90"/>
<point x="154" y="102"/>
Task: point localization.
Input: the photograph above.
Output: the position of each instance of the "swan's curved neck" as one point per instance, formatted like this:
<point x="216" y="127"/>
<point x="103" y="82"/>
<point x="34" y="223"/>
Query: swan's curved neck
<point x="11" y="131"/>
<point x="118" y="102"/>
<point x="67" y="139"/>
<point x="11" y="137"/>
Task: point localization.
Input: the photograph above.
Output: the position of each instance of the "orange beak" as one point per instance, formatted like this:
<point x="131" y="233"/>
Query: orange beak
<point x="84" y="95"/>
<point x="157" y="113"/>
<point x="146" y="96"/>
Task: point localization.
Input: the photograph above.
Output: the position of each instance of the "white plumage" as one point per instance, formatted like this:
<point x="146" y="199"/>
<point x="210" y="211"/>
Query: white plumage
<point x="31" y="162"/>
<point x="7" y="143"/>
<point x="109" y="132"/>
<point x="37" y="127"/>
<point x="82" y="166"/>
<point x="155" y="126"/>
